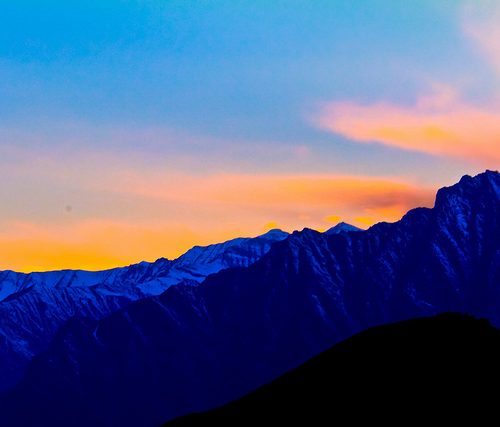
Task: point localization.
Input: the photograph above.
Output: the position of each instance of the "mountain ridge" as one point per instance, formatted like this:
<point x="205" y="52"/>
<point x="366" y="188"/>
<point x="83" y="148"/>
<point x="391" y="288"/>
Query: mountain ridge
<point x="34" y="306"/>
<point x="195" y="348"/>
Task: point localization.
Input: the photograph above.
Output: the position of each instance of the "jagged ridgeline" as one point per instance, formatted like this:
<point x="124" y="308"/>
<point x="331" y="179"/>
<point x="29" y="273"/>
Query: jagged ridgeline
<point x="34" y="306"/>
<point x="172" y="350"/>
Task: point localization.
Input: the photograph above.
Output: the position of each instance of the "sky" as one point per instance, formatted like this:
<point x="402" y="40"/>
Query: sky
<point x="134" y="129"/>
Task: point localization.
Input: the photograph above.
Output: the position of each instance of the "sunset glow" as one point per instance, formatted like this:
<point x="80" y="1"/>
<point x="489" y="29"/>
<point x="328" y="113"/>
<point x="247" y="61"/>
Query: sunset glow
<point x="134" y="130"/>
<point x="207" y="209"/>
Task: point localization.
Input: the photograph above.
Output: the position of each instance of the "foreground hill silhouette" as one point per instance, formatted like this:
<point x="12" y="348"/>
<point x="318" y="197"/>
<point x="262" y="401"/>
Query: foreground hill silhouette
<point x="194" y="348"/>
<point x="423" y="368"/>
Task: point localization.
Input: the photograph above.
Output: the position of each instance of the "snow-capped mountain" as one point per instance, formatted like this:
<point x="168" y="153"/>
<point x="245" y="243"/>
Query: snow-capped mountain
<point x="201" y="261"/>
<point x="34" y="306"/>
<point x="195" y="347"/>
<point x="342" y="227"/>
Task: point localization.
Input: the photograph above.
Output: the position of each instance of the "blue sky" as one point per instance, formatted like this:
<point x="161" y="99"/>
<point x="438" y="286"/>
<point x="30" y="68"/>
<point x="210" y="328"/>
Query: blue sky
<point x="203" y="88"/>
<point x="247" y="69"/>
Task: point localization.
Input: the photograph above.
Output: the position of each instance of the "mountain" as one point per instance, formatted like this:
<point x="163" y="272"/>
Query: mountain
<point x="342" y="227"/>
<point x="194" y="348"/>
<point x="34" y="306"/>
<point x="426" y="368"/>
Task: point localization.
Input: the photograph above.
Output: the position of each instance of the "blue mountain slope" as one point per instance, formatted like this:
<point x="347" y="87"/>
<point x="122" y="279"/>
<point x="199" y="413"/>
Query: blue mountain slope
<point x="34" y="306"/>
<point x="193" y="348"/>
<point x="342" y="227"/>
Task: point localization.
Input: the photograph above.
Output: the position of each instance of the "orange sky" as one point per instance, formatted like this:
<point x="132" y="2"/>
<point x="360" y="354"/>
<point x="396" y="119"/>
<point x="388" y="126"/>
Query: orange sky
<point x="185" y="210"/>
<point x="132" y="147"/>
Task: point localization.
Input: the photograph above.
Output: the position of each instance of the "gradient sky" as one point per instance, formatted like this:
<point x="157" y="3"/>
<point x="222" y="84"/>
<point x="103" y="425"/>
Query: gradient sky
<point x="134" y="129"/>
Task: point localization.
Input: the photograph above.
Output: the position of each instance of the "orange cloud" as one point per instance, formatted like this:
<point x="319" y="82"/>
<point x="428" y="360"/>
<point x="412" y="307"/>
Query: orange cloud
<point x="438" y="124"/>
<point x="180" y="211"/>
<point x="124" y="212"/>
<point x="285" y="198"/>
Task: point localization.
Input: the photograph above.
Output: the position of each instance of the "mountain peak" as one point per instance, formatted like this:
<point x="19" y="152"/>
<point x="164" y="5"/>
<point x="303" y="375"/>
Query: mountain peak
<point x="342" y="227"/>
<point x="467" y="188"/>
<point x="275" y="234"/>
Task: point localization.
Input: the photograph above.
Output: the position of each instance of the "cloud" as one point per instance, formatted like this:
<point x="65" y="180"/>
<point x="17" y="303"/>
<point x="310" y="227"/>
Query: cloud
<point x="122" y="213"/>
<point x="439" y="123"/>
<point x="286" y="195"/>
<point x="125" y="209"/>
<point x="188" y="211"/>
<point x="146" y="145"/>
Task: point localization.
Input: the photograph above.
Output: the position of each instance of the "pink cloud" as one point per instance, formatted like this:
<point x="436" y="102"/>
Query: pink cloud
<point x="439" y="124"/>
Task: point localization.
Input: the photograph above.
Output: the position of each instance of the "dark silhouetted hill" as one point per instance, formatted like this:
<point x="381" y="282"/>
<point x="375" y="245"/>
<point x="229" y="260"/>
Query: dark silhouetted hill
<point x="445" y="366"/>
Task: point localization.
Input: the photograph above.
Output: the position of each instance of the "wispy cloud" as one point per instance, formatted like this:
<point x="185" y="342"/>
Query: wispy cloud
<point x="440" y="122"/>
<point x="124" y="212"/>
<point x="289" y="199"/>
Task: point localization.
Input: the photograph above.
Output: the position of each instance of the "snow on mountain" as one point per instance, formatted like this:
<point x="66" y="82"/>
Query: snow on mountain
<point x="34" y="306"/>
<point x="342" y="227"/>
<point x="199" y="262"/>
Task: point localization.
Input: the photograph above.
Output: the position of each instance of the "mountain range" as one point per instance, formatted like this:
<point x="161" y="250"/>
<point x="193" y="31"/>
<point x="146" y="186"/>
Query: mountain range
<point x="153" y="351"/>
<point x="34" y="306"/>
